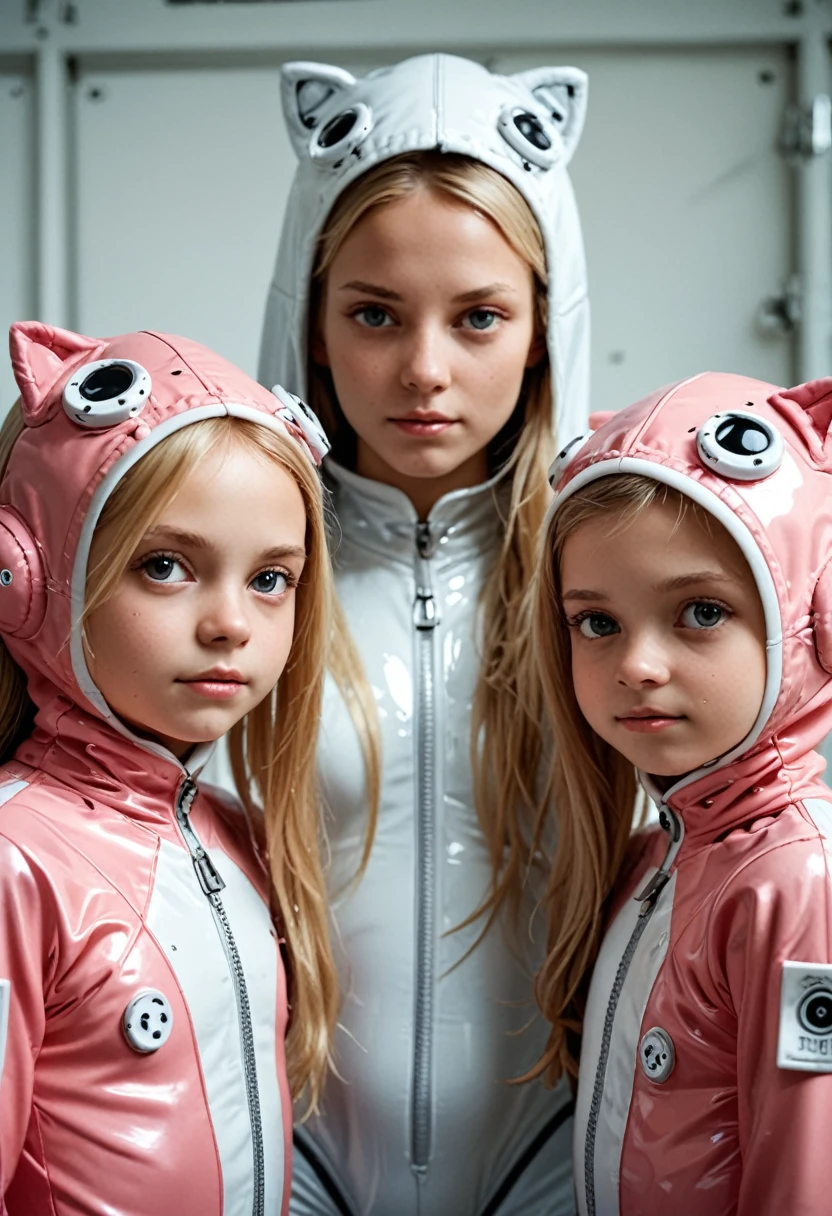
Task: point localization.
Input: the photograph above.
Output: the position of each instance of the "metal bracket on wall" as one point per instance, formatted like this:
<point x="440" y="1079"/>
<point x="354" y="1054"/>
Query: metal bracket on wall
<point x="38" y="12"/>
<point x="807" y="130"/>
<point x="781" y="313"/>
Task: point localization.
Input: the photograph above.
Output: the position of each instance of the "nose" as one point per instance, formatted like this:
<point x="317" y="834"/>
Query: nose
<point x="426" y="366"/>
<point x="643" y="661"/>
<point x="223" y="619"/>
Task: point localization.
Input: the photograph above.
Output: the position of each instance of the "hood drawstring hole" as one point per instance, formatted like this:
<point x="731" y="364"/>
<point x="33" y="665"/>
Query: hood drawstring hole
<point x="6" y="578"/>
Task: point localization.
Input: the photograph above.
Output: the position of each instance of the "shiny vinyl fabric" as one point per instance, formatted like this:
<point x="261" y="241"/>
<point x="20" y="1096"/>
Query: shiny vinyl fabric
<point x="686" y="1099"/>
<point x="120" y="880"/>
<point x="424" y="1121"/>
<point x="100" y="902"/>
<point x="424" y="1048"/>
<point x="479" y="1128"/>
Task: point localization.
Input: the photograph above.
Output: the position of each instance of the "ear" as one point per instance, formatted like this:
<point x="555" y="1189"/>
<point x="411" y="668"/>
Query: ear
<point x="562" y="92"/>
<point x="40" y="356"/>
<point x="808" y="407"/>
<point x="307" y="90"/>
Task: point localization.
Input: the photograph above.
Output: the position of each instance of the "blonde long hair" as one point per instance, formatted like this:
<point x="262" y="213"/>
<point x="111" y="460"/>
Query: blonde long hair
<point x="594" y="786"/>
<point x="506" y="739"/>
<point x="273" y="747"/>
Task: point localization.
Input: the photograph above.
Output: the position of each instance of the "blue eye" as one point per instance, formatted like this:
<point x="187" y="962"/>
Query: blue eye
<point x="164" y="569"/>
<point x="373" y="316"/>
<point x="703" y="614"/>
<point x="270" y="582"/>
<point x="597" y="625"/>
<point x="482" y="318"/>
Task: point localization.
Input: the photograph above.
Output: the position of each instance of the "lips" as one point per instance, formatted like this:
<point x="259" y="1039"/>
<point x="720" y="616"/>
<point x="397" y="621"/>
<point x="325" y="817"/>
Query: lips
<point x="426" y="424"/>
<point x="217" y="675"/>
<point x="647" y="719"/>
<point x="424" y="416"/>
<point x="218" y="684"/>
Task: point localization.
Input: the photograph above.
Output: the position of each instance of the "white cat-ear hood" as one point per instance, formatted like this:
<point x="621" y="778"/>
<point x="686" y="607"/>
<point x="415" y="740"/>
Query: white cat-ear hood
<point x="525" y="126"/>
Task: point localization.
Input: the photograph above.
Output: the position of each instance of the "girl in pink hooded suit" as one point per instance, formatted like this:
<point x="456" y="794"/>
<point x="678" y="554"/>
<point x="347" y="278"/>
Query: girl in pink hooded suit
<point x="707" y="1032"/>
<point x="143" y="999"/>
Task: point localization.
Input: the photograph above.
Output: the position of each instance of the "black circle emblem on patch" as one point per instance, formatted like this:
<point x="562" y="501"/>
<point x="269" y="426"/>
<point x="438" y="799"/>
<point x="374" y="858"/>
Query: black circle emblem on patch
<point x="106" y="383"/>
<point x="815" y="1012"/>
<point x="742" y="437"/>
<point x="530" y="128"/>
<point x="337" y="128"/>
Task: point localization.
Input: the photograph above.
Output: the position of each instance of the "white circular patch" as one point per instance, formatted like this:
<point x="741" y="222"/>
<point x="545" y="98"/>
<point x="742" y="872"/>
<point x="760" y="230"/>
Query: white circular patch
<point x="305" y="419"/>
<point x="564" y="457"/>
<point x="148" y="1021"/>
<point x="740" y="446"/>
<point x="341" y="135"/>
<point x="657" y="1055"/>
<point x="529" y="136"/>
<point x="106" y="392"/>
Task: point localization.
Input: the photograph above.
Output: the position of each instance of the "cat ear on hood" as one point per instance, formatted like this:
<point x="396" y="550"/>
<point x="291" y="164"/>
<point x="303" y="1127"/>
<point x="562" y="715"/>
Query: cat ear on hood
<point x="562" y="92"/>
<point x="808" y="408"/>
<point x="40" y="355"/>
<point x="307" y="90"/>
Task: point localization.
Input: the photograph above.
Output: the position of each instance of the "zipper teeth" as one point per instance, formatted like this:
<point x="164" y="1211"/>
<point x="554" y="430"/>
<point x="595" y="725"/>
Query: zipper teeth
<point x="426" y="863"/>
<point x="424" y="934"/>
<point x="198" y="853"/>
<point x="249" y="1058"/>
<point x="601" y="1070"/>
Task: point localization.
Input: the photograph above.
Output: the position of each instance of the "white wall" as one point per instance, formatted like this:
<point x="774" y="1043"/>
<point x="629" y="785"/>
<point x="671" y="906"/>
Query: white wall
<point x="149" y="190"/>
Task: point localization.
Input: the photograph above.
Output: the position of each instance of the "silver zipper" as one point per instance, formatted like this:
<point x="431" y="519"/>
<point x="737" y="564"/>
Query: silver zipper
<point x="425" y="620"/>
<point x="212" y="883"/>
<point x="649" y="897"/>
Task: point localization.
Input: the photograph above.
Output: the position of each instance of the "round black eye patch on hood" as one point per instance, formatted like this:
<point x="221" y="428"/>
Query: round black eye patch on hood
<point x="740" y="447"/>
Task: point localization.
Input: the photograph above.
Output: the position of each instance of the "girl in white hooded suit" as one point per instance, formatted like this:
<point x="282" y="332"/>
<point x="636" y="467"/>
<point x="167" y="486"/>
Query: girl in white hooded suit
<point x="429" y="300"/>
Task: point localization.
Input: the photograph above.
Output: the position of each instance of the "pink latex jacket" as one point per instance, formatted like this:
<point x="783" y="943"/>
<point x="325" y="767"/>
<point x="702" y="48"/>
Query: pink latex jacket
<point x="704" y="1084"/>
<point x="142" y="994"/>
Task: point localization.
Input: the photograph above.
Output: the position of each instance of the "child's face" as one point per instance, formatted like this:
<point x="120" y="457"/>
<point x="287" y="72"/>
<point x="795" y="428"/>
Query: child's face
<point x="667" y="637"/>
<point x="427" y="329"/>
<point x="201" y="624"/>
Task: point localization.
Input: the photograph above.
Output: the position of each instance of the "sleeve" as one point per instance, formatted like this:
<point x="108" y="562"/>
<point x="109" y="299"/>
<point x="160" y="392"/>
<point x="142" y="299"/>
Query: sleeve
<point x="776" y="913"/>
<point x="22" y="963"/>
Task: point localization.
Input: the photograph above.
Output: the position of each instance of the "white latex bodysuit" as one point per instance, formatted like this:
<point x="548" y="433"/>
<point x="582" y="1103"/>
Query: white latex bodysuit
<point x="422" y="1121"/>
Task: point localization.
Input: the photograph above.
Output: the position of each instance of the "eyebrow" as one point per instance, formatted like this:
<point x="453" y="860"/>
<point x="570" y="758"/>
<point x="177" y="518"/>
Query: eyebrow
<point x="464" y="297"/>
<point x="193" y="540"/>
<point x="370" y="289"/>
<point x="696" y="578"/>
<point x="580" y="594"/>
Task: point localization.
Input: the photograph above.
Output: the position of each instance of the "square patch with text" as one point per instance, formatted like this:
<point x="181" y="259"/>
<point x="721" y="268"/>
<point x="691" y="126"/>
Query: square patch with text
<point x="805" y="1039"/>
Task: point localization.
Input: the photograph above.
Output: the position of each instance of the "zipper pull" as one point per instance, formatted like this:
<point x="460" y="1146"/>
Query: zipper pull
<point x="207" y="873"/>
<point x="425" y="615"/>
<point x="669" y="822"/>
<point x="424" y="610"/>
<point x="652" y="892"/>
<point x="209" y="876"/>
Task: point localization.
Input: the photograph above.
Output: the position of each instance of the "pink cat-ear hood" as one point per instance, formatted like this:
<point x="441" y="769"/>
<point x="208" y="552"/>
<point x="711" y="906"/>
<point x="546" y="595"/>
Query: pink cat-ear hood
<point x="41" y="356"/>
<point x="92" y="408"/>
<point x="758" y="458"/>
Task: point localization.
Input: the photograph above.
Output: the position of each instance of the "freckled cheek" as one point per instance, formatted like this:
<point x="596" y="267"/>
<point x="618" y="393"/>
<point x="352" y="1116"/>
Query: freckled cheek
<point x="590" y="686"/>
<point x="134" y="638"/>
